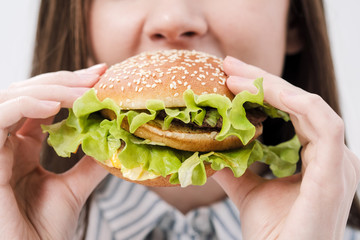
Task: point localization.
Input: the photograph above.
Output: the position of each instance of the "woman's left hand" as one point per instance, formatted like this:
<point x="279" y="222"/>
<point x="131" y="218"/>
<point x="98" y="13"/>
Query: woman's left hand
<point x="313" y="204"/>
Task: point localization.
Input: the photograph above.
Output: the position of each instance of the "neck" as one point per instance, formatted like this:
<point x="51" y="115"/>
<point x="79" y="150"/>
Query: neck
<point x="191" y="197"/>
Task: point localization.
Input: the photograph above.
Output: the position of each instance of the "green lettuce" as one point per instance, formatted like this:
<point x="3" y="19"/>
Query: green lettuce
<point x="101" y="138"/>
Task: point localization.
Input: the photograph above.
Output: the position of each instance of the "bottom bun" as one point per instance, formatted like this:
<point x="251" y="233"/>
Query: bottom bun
<point x="155" y="182"/>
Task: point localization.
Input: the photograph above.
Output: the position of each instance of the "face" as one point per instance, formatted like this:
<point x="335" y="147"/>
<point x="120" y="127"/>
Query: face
<point x="254" y="31"/>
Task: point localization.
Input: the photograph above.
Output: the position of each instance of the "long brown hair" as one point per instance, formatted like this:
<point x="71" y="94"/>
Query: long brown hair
<point x="62" y="44"/>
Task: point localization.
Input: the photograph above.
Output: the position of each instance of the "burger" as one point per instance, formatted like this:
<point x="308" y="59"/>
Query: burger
<point x="166" y="118"/>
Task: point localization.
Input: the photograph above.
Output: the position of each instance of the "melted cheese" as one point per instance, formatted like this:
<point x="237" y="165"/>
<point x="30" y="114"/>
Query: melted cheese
<point x="138" y="173"/>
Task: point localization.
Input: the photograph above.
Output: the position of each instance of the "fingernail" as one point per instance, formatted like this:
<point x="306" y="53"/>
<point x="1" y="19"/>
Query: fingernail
<point x="50" y="104"/>
<point x="232" y="60"/>
<point x="95" y="69"/>
<point x="80" y="91"/>
<point x="237" y="84"/>
<point x="86" y="76"/>
<point x="239" y="79"/>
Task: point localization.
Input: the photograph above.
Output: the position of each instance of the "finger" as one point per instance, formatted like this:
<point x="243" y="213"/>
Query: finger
<point x="65" y="95"/>
<point x="82" y="78"/>
<point x="237" y="188"/>
<point x="83" y="178"/>
<point x="32" y="128"/>
<point x="12" y="111"/>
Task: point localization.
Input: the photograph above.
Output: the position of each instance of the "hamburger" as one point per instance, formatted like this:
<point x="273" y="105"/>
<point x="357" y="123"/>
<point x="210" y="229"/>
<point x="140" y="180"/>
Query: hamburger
<point x="166" y="118"/>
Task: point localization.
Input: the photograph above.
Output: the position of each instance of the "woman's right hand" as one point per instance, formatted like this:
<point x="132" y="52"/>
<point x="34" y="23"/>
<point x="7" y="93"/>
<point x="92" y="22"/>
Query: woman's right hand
<point x="35" y="203"/>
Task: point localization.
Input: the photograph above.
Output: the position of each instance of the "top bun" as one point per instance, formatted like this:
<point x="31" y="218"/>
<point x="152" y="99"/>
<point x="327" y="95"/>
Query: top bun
<point x="162" y="75"/>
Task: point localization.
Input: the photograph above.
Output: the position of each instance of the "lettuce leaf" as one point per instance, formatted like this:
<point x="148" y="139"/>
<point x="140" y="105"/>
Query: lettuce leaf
<point x="101" y="138"/>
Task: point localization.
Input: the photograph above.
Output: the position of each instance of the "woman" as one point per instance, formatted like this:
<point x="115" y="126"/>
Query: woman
<point x="281" y="38"/>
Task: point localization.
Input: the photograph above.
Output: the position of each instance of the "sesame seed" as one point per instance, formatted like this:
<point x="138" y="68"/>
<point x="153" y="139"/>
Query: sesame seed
<point x="215" y="89"/>
<point x="176" y="94"/>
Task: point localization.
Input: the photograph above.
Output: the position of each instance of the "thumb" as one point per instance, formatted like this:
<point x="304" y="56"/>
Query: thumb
<point x="237" y="188"/>
<point x="83" y="178"/>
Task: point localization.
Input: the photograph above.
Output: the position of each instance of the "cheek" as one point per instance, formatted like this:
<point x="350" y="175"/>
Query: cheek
<point x="254" y="34"/>
<point x="113" y="31"/>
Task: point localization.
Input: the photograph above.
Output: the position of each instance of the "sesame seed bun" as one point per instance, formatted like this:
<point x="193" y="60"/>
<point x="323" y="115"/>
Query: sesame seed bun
<point x="162" y="75"/>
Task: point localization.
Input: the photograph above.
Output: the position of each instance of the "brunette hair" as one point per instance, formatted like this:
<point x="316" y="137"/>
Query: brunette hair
<point x="62" y="44"/>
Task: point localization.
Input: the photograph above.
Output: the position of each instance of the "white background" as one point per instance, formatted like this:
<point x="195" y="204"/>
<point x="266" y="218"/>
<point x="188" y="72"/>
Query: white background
<point x="18" y="21"/>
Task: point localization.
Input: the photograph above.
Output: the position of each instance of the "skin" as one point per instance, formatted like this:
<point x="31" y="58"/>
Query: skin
<point x="193" y="25"/>
<point x="35" y="204"/>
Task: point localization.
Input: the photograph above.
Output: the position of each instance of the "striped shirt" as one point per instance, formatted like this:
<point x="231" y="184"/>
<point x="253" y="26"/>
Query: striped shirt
<point x="124" y="210"/>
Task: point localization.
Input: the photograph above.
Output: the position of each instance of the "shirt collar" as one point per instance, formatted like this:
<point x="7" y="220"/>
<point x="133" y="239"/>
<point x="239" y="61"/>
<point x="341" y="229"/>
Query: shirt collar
<point x="126" y="210"/>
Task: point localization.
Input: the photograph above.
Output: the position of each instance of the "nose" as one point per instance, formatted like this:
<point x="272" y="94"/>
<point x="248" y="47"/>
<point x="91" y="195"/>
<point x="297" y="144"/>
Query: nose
<point x="175" y="21"/>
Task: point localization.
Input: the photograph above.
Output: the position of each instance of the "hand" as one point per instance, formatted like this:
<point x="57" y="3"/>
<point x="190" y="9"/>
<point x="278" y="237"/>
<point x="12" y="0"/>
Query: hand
<point x="34" y="203"/>
<point x="313" y="204"/>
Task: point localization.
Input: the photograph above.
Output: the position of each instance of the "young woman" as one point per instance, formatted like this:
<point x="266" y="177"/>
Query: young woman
<point x="277" y="40"/>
